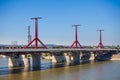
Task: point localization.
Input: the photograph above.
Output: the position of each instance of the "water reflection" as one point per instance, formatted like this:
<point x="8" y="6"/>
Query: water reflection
<point x="108" y="70"/>
<point x="45" y="64"/>
<point x="4" y="69"/>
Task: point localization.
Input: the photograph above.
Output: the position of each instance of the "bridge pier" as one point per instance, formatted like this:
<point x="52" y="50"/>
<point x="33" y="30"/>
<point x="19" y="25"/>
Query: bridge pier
<point x="36" y="60"/>
<point x="85" y="57"/>
<point x="75" y="57"/>
<point x="92" y="57"/>
<point x="103" y="56"/>
<point x="58" y="57"/>
<point x="26" y="60"/>
<point x="15" y="60"/>
<point x="67" y="57"/>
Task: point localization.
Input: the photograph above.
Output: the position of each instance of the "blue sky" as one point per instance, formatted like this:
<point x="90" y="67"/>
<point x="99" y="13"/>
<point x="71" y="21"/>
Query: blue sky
<point x="58" y="16"/>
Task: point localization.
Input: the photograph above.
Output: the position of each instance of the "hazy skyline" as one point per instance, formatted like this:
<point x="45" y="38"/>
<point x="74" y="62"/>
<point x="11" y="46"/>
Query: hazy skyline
<point x="58" y="16"/>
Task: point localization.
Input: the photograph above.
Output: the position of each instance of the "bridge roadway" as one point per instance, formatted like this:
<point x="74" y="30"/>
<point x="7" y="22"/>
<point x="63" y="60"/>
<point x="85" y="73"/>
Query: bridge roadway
<point x="24" y="51"/>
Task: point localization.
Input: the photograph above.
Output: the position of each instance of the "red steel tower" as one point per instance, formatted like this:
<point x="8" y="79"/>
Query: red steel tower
<point x="36" y="39"/>
<point x="76" y="42"/>
<point x="100" y="45"/>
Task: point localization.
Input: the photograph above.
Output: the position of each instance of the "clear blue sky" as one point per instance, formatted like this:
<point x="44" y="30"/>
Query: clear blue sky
<point x="58" y="16"/>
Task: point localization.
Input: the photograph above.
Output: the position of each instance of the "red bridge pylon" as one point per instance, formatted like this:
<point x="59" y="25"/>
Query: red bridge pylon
<point x="76" y="42"/>
<point x="36" y="39"/>
<point x="100" y="45"/>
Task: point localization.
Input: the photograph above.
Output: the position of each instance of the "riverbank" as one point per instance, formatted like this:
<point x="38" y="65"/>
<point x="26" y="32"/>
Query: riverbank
<point x="116" y="57"/>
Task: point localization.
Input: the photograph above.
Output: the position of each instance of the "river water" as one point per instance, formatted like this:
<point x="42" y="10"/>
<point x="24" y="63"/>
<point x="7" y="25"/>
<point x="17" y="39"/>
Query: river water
<point x="106" y="70"/>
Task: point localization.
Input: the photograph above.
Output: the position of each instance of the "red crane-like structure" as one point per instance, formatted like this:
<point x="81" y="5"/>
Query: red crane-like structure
<point x="76" y="42"/>
<point x="36" y="39"/>
<point x="100" y="45"/>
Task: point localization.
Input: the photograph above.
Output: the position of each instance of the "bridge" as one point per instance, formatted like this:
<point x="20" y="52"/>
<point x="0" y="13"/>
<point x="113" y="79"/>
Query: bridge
<point x="18" y="57"/>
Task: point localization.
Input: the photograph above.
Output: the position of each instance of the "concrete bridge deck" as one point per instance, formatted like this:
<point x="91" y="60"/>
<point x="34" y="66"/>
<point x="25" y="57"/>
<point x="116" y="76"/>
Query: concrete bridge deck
<point x="24" y="51"/>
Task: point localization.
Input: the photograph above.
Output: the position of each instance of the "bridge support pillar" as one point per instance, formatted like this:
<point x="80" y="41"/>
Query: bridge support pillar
<point x="26" y="60"/>
<point x="16" y="60"/>
<point x="92" y="56"/>
<point x="58" y="57"/>
<point x="103" y="56"/>
<point x="75" y="57"/>
<point x="67" y="57"/>
<point x="36" y="60"/>
<point x="85" y="57"/>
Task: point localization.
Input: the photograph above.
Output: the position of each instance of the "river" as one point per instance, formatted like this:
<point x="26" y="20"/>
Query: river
<point x="106" y="70"/>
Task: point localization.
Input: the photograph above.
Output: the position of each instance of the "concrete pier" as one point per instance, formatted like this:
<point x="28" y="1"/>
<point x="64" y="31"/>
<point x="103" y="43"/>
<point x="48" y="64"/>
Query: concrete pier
<point x="15" y="60"/>
<point x="92" y="57"/>
<point x="36" y="60"/>
<point x="67" y="57"/>
<point x="85" y="56"/>
<point x="18" y="61"/>
<point x="26" y="60"/>
<point x="102" y="56"/>
<point x="58" y="57"/>
<point x="75" y="57"/>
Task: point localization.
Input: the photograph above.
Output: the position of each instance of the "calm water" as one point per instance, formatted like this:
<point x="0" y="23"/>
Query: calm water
<point x="108" y="70"/>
